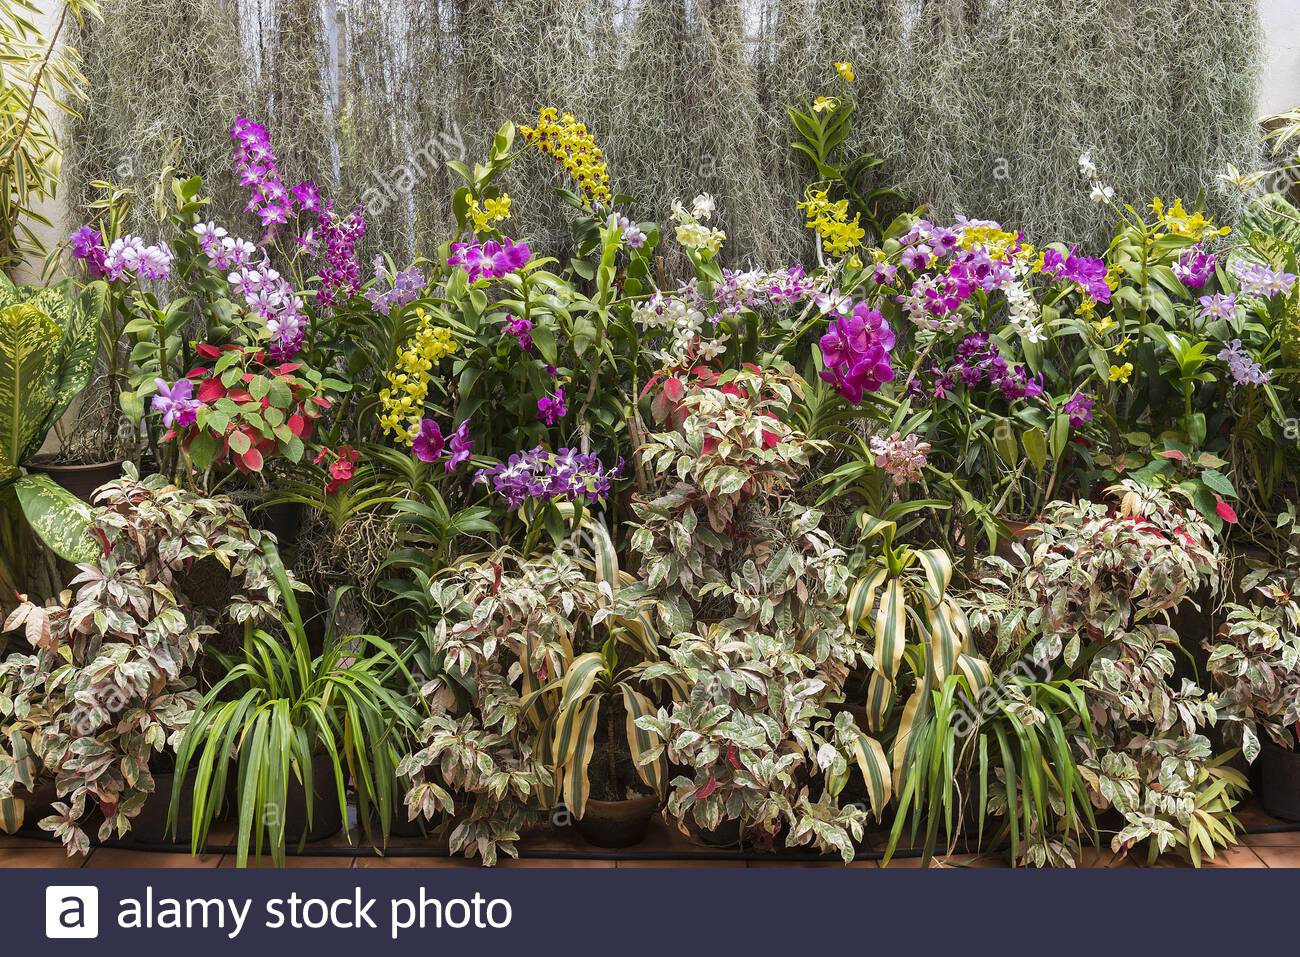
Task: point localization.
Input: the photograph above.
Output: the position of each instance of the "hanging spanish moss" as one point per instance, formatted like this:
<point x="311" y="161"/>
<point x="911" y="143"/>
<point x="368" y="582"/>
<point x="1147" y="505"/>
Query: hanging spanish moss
<point x="978" y="106"/>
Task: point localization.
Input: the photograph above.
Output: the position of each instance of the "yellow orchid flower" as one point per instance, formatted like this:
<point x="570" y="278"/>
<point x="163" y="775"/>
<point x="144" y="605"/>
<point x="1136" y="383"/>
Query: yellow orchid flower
<point x="827" y="103"/>
<point x="845" y="70"/>
<point x="1121" y="373"/>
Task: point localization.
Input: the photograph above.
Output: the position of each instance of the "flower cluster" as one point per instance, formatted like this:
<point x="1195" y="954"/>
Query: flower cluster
<point x="256" y="167"/>
<point x="340" y="276"/>
<point x="755" y="288"/>
<point x="342" y="467"/>
<point x="1178" y="222"/>
<point x="428" y="444"/>
<point x="552" y="408"/>
<point x="1256" y="279"/>
<point x="978" y="361"/>
<point x="1079" y="408"/>
<point x="839" y="234"/>
<point x="406" y="288"/>
<point x="855" y="351"/>
<point x="489" y="260"/>
<point x="633" y="234"/>
<point x="88" y="246"/>
<point x="902" y="459"/>
<point x="1219" y="306"/>
<point x="691" y="231"/>
<point x="1087" y="273"/>
<point x="224" y="252"/>
<point x="544" y="476"/>
<point x="408" y="380"/>
<point x="1195" y="267"/>
<point x="569" y="142"/>
<point x="1244" y="369"/>
<point x="683" y="320"/>
<point x="128" y="257"/>
<point x="270" y="296"/>
<point x="521" y="329"/>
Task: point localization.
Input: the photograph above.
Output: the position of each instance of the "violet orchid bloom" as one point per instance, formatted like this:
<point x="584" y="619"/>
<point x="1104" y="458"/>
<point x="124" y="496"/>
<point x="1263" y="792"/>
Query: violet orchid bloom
<point x="461" y="445"/>
<point x="855" y="351"/>
<point x="428" y="444"/>
<point x="521" y="329"/>
<point x="88" y="246"/>
<point x="552" y="408"/>
<point x="176" y="402"/>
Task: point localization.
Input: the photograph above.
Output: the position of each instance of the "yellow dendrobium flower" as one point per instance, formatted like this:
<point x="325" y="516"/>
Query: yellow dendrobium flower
<point x="1103" y="325"/>
<point x="568" y="141"/>
<point x="1121" y="373"/>
<point x="1176" y="220"/>
<point x="402" y="403"/>
<point x="493" y="211"/>
<point x="994" y="241"/>
<point x="845" y="70"/>
<point x="827" y="103"/>
<point x="840" y="235"/>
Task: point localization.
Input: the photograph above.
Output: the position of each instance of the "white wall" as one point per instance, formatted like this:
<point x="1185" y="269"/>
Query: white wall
<point x="1281" y="85"/>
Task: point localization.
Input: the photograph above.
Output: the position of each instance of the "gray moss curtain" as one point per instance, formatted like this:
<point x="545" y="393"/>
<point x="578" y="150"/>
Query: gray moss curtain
<point x="978" y="106"/>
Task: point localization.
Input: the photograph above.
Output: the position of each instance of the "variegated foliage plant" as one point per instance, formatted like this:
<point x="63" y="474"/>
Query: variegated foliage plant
<point x="751" y="590"/>
<point x="1087" y="602"/>
<point x="109" y="678"/>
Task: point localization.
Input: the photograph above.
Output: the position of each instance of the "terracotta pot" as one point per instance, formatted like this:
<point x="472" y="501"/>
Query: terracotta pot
<point x="617" y="823"/>
<point x="81" y="480"/>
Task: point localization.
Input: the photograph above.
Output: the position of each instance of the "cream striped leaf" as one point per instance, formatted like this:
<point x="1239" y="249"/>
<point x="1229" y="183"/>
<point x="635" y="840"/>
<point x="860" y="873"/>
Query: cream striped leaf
<point x="875" y="771"/>
<point x="891" y="632"/>
<point x="978" y="674"/>
<point x="870" y="526"/>
<point x="577" y="785"/>
<point x="862" y="597"/>
<point x="603" y="553"/>
<point x="903" y="739"/>
<point x="880" y="700"/>
<point x="580" y="677"/>
<point x="945" y="641"/>
<point x="938" y="573"/>
<point x="641" y="741"/>
<point x="11" y="814"/>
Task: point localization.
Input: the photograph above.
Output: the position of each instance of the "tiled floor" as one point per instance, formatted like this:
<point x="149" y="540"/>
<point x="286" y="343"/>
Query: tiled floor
<point x="664" y="847"/>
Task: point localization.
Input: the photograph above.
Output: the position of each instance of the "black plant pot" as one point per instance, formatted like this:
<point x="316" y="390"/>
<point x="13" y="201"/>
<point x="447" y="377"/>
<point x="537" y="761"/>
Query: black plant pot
<point x="726" y="834"/>
<point x="81" y="480"/>
<point x="617" y="823"/>
<point x="150" y="825"/>
<point x="283" y="520"/>
<point x="326" y="819"/>
<point x="1279" y="772"/>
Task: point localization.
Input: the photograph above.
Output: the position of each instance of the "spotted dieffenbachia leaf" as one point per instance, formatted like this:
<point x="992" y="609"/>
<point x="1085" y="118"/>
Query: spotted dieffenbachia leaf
<point x="59" y="518"/>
